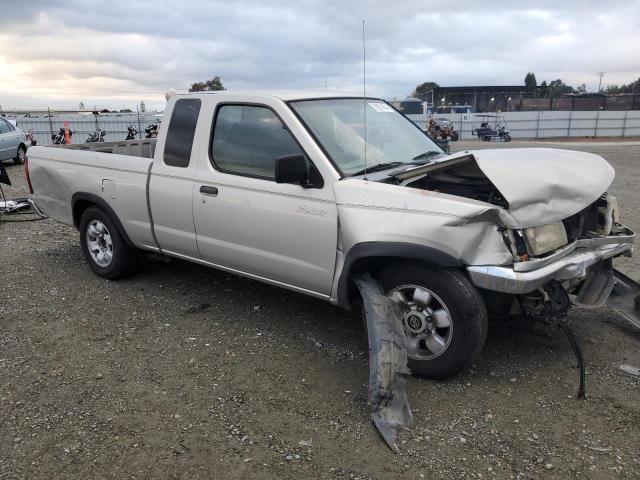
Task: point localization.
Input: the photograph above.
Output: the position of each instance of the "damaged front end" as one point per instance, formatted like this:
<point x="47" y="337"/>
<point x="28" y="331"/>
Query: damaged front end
<point x="551" y="214"/>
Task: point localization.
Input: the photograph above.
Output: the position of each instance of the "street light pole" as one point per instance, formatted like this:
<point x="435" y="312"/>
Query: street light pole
<point x="600" y="74"/>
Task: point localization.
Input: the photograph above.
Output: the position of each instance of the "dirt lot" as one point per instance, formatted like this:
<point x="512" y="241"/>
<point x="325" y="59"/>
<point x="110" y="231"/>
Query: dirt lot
<point x="186" y="372"/>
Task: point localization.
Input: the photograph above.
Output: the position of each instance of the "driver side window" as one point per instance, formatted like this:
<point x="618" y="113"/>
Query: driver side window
<point x="247" y="139"/>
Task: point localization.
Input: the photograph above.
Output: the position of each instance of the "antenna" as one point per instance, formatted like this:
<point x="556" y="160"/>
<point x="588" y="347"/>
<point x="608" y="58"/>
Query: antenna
<point x="364" y="98"/>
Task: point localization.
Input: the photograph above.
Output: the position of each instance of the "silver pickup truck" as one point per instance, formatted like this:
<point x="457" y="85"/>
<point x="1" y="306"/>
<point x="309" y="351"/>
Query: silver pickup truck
<point x="306" y="190"/>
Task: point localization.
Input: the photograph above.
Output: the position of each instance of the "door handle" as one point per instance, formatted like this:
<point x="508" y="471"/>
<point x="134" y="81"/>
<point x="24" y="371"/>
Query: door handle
<point x="206" y="190"/>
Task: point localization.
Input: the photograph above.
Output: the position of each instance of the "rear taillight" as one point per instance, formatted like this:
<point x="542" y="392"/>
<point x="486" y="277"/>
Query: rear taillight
<point x="26" y="174"/>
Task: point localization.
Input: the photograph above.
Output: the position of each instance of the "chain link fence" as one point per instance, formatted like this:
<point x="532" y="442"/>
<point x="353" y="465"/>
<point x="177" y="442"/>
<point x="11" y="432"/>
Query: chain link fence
<point x="546" y="124"/>
<point x="82" y="127"/>
<point x="541" y="124"/>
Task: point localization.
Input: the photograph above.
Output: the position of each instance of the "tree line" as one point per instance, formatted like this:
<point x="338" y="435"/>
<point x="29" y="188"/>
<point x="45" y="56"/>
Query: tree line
<point x="552" y="88"/>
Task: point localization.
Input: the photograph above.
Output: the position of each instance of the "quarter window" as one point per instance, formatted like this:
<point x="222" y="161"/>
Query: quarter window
<point x="248" y="139"/>
<point x="182" y="128"/>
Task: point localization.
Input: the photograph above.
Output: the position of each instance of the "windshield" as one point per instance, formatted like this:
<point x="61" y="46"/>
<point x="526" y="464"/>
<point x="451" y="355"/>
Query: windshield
<point x="391" y="138"/>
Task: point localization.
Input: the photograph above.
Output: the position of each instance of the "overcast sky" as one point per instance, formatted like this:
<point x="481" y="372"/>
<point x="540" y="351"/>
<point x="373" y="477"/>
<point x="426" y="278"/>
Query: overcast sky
<point x="118" y="52"/>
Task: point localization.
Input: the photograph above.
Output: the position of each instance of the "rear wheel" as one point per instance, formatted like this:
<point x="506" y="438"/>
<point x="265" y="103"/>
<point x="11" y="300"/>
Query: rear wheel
<point x="104" y="247"/>
<point x="443" y="316"/>
<point x="21" y="155"/>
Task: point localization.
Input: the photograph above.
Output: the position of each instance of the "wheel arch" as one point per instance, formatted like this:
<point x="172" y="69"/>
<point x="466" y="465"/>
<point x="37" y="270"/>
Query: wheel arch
<point x="373" y="256"/>
<point x="80" y="201"/>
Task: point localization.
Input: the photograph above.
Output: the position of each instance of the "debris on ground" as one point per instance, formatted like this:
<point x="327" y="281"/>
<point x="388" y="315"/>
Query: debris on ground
<point x="388" y="371"/>
<point x="630" y="370"/>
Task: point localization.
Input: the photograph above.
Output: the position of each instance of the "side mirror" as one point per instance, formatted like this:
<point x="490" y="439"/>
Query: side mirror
<point x="292" y="169"/>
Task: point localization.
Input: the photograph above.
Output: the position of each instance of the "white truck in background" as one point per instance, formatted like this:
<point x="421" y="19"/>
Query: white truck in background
<point x="278" y="188"/>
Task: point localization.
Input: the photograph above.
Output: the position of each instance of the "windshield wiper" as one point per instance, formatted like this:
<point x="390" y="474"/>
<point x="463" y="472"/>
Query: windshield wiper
<point x="377" y="167"/>
<point x="425" y="155"/>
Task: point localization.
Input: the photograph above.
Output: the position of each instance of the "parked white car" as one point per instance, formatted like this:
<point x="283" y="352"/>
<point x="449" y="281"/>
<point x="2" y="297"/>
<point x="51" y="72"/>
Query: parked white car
<point x="278" y="187"/>
<point x="13" y="143"/>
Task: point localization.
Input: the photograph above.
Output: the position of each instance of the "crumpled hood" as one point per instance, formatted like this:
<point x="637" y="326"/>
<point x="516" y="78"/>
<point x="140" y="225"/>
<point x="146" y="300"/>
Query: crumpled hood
<point x="544" y="185"/>
<point x="541" y="185"/>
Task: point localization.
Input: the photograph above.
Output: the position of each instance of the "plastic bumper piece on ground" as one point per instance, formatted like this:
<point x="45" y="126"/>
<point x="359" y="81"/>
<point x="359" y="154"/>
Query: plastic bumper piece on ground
<point x="388" y="371"/>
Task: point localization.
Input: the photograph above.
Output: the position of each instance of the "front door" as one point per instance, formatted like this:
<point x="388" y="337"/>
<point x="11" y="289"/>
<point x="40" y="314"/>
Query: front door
<point x="246" y="221"/>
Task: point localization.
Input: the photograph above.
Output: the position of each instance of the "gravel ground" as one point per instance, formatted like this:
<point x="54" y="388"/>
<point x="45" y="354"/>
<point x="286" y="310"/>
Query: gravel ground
<point x="186" y="372"/>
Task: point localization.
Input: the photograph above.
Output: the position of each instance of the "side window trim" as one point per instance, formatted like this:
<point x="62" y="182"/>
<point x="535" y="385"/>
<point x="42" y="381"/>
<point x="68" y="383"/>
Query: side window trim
<point x="219" y="106"/>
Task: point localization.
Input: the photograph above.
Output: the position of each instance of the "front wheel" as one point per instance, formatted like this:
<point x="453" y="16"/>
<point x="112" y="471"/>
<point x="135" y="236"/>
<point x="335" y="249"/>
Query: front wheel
<point x="103" y="245"/>
<point x="443" y="316"/>
<point x="21" y="155"/>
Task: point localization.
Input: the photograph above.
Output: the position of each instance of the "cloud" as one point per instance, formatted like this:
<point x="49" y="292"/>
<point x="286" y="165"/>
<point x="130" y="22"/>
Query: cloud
<point x="120" y="52"/>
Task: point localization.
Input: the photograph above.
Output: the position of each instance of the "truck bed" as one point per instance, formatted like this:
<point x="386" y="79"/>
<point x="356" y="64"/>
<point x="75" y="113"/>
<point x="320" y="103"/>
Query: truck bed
<point x="115" y="172"/>
<point x="136" y="148"/>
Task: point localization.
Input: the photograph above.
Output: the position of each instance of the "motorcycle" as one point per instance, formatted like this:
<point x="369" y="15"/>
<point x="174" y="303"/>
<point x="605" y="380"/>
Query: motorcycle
<point x="96" y="136"/>
<point x="31" y="139"/>
<point x="151" y="130"/>
<point x="58" y="138"/>
<point x="132" y="132"/>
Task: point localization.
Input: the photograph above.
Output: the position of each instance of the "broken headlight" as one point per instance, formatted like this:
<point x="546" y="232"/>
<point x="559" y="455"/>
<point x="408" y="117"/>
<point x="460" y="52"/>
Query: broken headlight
<point x="546" y="238"/>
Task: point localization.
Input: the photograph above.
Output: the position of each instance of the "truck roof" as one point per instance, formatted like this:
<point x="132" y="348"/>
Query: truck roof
<point x="285" y="95"/>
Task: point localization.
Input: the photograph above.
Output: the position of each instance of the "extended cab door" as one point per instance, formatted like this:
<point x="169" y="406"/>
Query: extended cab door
<point x="171" y="181"/>
<point x="244" y="220"/>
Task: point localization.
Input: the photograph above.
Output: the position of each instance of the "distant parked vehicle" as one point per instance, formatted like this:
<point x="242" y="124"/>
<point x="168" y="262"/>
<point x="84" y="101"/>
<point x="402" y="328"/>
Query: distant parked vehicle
<point x="493" y="127"/>
<point x="13" y="143"/>
<point x="58" y="138"/>
<point x="31" y="139"/>
<point x="132" y="131"/>
<point x="151" y="130"/>
<point x="439" y="128"/>
<point x="96" y="136"/>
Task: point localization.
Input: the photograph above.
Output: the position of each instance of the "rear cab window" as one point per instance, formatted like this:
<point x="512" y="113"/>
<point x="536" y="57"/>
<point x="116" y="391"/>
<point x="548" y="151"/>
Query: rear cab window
<point x="182" y="128"/>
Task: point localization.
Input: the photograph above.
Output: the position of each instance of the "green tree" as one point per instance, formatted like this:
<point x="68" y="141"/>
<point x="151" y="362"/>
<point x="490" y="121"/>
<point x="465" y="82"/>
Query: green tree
<point x="81" y="106"/>
<point x="530" y="80"/>
<point x="582" y="88"/>
<point x="558" y="87"/>
<point x="208" y="86"/>
<point x="143" y="107"/>
<point x="423" y="89"/>
<point x="633" y="87"/>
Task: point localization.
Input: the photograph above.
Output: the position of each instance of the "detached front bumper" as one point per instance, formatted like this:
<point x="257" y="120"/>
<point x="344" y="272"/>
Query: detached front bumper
<point x="575" y="264"/>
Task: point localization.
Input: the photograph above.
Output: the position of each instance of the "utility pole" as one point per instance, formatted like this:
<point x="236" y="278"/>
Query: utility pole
<point x="600" y="74"/>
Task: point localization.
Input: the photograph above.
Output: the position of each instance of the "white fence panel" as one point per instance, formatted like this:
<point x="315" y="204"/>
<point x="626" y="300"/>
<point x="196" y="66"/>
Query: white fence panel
<point x="548" y="124"/>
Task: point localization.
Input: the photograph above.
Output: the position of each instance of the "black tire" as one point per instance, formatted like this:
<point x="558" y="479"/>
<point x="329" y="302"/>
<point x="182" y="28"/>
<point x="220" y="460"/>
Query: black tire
<point x="19" y="160"/>
<point x="468" y="316"/>
<point x="455" y="136"/>
<point x="124" y="258"/>
<point x="507" y="138"/>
